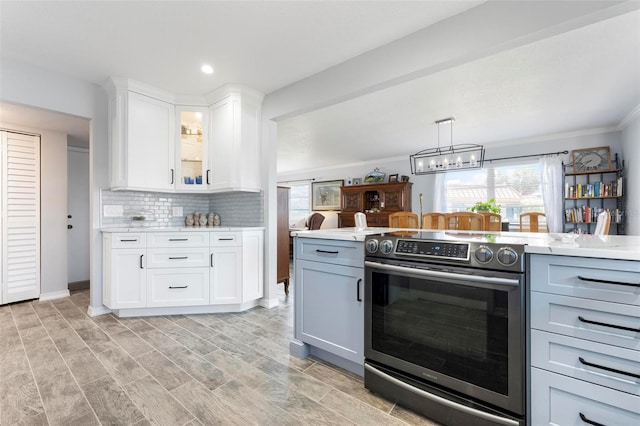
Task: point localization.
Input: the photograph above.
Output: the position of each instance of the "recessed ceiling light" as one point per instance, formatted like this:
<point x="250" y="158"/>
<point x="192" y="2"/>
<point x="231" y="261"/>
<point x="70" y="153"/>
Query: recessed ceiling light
<point x="207" y="69"/>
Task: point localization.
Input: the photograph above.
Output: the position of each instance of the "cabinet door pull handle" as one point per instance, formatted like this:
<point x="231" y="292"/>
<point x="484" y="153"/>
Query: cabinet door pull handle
<point x="128" y="241"/>
<point x="225" y="239"/>
<point x="172" y="172"/>
<point x="211" y="261"/>
<point x="141" y="256"/>
<point x="595" y="280"/>
<point x="178" y="239"/>
<point x="604" y="324"/>
<point x="358" y="290"/>
<point x="327" y="251"/>
<point x="208" y="174"/>
<point x="179" y="258"/>
<point x="178" y="286"/>
<point x="613" y="370"/>
<point x="590" y="422"/>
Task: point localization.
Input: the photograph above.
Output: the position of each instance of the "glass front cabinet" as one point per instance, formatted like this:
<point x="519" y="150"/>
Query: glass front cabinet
<point x="192" y="147"/>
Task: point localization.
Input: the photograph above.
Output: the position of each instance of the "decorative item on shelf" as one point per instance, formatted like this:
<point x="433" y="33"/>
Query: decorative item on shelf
<point x="326" y="195"/>
<point x="189" y="220"/>
<point x="202" y="220"/>
<point x="591" y="159"/>
<point x="349" y="181"/>
<point x="375" y="176"/>
<point x="404" y="178"/>
<point x="452" y="158"/>
<point x="216" y="220"/>
<point x="357" y="181"/>
<point x="489" y="206"/>
<point x="210" y="218"/>
<point x="393" y="178"/>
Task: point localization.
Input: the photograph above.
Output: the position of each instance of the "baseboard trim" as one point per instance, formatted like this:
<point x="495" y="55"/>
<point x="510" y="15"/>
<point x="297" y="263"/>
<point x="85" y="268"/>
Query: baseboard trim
<point x="54" y="295"/>
<point x="97" y="311"/>
<point x="79" y="285"/>
<point x="269" y="303"/>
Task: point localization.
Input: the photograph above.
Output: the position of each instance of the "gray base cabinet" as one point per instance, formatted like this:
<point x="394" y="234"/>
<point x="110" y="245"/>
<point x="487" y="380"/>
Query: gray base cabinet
<point x="330" y="297"/>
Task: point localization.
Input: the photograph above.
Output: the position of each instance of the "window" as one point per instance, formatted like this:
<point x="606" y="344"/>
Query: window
<point x="516" y="188"/>
<point x="299" y="203"/>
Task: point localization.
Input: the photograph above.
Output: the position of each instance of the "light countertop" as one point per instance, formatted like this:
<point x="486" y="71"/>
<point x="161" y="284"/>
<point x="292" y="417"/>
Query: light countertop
<point x="183" y="229"/>
<point x="607" y="246"/>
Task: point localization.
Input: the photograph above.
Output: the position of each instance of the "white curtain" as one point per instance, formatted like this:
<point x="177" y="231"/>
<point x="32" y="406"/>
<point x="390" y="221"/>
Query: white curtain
<point x="552" y="191"/>
<point x="439" y="194"/>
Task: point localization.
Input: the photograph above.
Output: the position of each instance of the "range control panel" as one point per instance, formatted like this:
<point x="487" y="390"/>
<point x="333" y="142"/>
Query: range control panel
<point x="438" y="249"/>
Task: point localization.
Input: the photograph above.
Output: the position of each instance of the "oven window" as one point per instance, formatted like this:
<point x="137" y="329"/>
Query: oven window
<point x="452" y="329"/>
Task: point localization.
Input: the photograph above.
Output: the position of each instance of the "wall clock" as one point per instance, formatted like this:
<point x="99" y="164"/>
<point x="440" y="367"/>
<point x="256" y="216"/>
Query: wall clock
<point x="591" y="159"/>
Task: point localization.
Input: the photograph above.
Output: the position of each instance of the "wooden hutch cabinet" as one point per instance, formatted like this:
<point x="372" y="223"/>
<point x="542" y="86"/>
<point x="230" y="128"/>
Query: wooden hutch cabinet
<point x="377" y="201"/>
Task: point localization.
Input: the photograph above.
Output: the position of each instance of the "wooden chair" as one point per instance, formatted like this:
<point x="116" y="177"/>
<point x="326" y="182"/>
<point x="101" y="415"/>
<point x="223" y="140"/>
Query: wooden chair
<point x="434" y="221"/>
<point x="530" y="222"/>
<point x="465" y="221"/>
<point x="315" y="220"/>
<point x="492" y="221"/>
<point x="404" y="220"/>
<point x="602" y="224"/>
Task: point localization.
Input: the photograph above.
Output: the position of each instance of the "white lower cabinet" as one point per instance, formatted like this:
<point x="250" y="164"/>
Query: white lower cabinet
<point x="158" y="270"/>
<point x="585" y="341"/>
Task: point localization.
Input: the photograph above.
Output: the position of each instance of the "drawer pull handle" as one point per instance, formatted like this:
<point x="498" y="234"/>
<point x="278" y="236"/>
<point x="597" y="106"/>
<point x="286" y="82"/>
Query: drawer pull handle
<point x="178" y="286"/>
<point x="178" y="239"/>
<point x="604" y="324"/>
<point x="179" y="258"/>
<point x="591" y="422"/>
<point x="128" y="241"/>
<point x="595" y="280"/>
<point x="613" y="370"/>
<point x="141" y="256"/>
<point x="358" y="290"/>
<point x="327" y="251"/>
<point x="225" y="239"/>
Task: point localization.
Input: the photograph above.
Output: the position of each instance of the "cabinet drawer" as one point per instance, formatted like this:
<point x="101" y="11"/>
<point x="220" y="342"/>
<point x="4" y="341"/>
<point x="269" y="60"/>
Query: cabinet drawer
<point x="560" y="400"/>
<point x="229" y="239"/>
<point x="582" y="277"/>
<point x="178" y="287"/>
<point x="604" y="322"/>
<point x="586" y="360"/>
<point x="178" y="239"/>
<point x="177" y="258"/>
<point x="128" y="240"/>
<point x="348" y="253"/>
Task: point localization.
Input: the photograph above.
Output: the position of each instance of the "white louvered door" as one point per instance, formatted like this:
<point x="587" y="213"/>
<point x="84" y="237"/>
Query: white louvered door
<point x="20" y="223"/>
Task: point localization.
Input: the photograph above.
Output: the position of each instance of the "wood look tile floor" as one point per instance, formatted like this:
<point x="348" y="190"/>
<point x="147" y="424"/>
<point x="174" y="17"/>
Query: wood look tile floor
<point x="58" y="366"/>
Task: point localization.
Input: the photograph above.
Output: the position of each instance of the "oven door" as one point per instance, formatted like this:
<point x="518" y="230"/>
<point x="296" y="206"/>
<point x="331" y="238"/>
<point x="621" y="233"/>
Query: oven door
<point x="449" y="327"/>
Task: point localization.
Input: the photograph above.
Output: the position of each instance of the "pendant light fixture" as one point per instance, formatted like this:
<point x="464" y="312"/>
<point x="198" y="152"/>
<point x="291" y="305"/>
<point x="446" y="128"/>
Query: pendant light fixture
<point x="448" y="159"/>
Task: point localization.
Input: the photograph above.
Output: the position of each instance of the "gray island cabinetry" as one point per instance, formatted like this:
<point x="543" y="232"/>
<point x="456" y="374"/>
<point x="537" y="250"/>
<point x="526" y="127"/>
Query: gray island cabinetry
<point x="329" y="301"/>
<point x="585" y="345"/>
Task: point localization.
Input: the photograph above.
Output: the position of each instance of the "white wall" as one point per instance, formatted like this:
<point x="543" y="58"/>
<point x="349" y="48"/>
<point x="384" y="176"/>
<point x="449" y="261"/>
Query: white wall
<point x="28" y="85"/>
<point x="631" y="151"/>
<point x="53" y="208"/>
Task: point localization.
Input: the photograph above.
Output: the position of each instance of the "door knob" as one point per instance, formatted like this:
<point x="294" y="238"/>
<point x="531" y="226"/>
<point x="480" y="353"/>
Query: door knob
<point x="69" y="226"/>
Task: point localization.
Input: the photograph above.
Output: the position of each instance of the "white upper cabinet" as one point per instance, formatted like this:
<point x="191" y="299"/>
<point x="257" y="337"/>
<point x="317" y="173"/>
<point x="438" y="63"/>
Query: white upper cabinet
<point x="235" y="153"/>
<point x="209" y="143"/>
<point x="141" y="133"/>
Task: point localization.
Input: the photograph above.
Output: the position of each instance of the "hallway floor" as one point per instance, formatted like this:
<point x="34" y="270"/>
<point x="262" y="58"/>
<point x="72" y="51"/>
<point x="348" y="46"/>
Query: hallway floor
<point x="59" y="366"/>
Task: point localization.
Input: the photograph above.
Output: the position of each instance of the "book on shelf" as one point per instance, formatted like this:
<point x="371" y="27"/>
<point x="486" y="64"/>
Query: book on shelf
<point x="594" y="190"/>
<point x="588" y="214"/>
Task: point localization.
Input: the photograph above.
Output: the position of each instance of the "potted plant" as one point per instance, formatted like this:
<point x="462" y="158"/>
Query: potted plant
<point x="485" y="206"/>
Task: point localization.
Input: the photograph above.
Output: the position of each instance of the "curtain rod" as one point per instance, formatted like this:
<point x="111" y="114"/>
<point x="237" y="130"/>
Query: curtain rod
<point x="526" y="156"/>
<point x="297" y="180"/>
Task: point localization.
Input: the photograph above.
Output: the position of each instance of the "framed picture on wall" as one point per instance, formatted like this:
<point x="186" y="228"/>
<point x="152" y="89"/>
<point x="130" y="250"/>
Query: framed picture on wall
<point x="326" y="195"/>
<point x="393" y="178"/>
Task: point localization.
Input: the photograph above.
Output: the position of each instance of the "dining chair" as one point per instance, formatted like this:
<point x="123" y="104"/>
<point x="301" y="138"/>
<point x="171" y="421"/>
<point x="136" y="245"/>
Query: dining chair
<point x="434" y="221"/>
<point x="465" y="221"/>
<point x="531" y="222"/>
<point x="602" y="223"/>
<point x="492" y="221"/>
<point x="315" y="220"/>
<point x="404" y="220"/>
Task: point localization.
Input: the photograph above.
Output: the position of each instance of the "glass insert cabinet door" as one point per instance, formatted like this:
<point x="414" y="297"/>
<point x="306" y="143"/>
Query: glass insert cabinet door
<point x="192" y="148"/>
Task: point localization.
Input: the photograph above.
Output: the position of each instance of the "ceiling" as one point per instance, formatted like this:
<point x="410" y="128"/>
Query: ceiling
<point x="581" y="79"/>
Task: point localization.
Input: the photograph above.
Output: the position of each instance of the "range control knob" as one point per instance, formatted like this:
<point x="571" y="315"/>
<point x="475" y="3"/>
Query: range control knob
<point x="507" y="256"/>
<point x="372" y="246"/>
<point x="386" y="246"/>
<point x="484" y="254"/>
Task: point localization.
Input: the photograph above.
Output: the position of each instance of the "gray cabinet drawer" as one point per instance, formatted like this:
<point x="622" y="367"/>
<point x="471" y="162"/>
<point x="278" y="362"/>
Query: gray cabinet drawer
<point x="582" y="277"/>
<point x="178" y="239"/>
<point x="177" y="257"/>
<point x="337" y="252"/>
<point x="560" y="400"/>
<point x="586" y="360"/>
<point x="128" y="240"/>
<point x="617" y="324"/>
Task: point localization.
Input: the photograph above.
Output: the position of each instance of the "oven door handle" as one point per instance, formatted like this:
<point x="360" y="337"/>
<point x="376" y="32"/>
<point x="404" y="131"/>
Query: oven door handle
<point x="438" y="399"/>
<point x="440" y="274"/>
